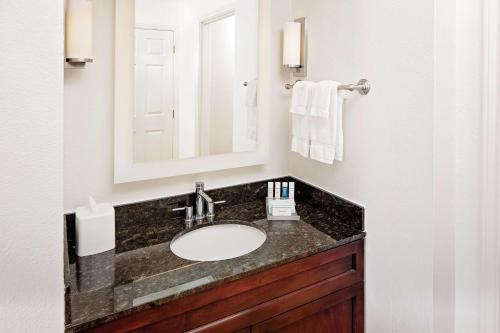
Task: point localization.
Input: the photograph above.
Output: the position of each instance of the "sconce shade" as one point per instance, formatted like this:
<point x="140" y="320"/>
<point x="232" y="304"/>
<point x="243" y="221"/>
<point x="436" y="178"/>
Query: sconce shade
<point x="79" y="31"/>
<point x="291" y="45"/>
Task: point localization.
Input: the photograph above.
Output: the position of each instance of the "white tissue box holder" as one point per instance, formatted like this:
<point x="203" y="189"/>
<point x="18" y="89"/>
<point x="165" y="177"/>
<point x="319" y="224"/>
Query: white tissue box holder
<point x="95" y="230"/>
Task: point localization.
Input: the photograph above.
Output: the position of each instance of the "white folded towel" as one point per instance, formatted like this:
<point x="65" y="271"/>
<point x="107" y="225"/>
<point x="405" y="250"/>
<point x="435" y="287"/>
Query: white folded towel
<point x="252" y="123"/>
<point x="251" y="93"/>
<point x="339" y="146"/>
<point x="300" y="134"/>
<point x="327" y="135"/>
<point x="321" y="98"/>
<point x="301" y="97"/>
<point x="251" y="106"/>
<point x="300" y="117"/>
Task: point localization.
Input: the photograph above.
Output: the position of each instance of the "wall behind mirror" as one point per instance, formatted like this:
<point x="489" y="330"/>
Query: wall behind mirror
<point x="195" y="78"/>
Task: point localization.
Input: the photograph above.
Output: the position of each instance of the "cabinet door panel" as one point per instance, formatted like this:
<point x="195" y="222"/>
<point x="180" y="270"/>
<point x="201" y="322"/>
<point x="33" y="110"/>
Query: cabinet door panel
<point x="337" y="319"/>
<point x="341" y="312"/>
<point x="248" y="330"/>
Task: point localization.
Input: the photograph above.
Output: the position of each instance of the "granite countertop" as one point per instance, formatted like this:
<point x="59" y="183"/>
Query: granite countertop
<point x="111" y="285"/>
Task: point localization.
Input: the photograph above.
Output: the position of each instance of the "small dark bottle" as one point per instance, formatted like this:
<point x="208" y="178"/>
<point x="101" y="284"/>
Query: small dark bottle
<point x="284" y="190"/>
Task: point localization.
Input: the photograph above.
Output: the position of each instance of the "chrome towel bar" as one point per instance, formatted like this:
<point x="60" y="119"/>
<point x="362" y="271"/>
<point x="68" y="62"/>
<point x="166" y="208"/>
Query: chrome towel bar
<point x="363" y="86"/>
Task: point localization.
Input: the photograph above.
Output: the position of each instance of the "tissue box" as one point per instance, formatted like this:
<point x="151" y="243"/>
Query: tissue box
<point x="95" y="229"/>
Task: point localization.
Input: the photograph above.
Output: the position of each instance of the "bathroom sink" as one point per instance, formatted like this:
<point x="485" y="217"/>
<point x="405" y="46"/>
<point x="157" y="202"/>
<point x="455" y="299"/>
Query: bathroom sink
<point x="218" y="241"/>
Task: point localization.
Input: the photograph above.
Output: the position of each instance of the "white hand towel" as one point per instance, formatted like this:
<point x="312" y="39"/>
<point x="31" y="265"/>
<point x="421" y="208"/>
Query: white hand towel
<point x="339" y="145"/>
<point x="251" y="105"/>
<point x="251" y="93"/>
<point x="300" y="134"/>
<point x="321" y="98"/>
<point x="252" y="123"/>
<point x="300" y="117"/>
<point x="301" y="97"/>
<point x="327" y="135"/>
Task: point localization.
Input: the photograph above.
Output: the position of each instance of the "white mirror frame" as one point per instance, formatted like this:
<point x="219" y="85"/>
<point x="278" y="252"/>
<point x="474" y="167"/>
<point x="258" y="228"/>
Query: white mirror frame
<point x="125" y="170"/>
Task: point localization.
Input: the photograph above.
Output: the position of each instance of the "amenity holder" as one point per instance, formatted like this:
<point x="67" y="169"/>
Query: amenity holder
<point x="363" y="86"/>
<point x="280" y="202"/>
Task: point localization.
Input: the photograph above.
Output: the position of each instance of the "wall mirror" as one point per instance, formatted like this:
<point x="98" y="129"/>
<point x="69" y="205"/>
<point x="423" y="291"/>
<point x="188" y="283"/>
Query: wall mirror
<point x="186" y="87"/>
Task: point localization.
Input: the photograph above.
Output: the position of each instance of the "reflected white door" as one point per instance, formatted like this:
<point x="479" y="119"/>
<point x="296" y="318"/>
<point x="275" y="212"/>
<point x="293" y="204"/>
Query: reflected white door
<point x="217" y="94"/>
<point x="154" y="95"/>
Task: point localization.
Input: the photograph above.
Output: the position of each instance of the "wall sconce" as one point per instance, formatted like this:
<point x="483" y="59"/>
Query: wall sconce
<point x="79" y="32"/>
<point x="295" y="47"/>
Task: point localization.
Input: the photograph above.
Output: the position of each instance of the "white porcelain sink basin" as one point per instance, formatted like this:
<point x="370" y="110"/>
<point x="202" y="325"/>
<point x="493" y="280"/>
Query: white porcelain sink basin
<point x="218" y="241"/>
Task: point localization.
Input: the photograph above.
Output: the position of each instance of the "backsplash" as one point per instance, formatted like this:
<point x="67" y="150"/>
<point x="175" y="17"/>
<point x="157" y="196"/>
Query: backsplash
<point x="153" y="222"/>
<point x="340" y="209"/>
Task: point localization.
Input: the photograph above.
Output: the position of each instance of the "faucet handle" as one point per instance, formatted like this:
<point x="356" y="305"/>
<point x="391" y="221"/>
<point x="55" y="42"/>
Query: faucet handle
<point x="186" y="208"/>
<point x="211" y="210"/>
<point x="211" y="206"/>
<point x="189" y="219"/>
<point x="200" y="186"/>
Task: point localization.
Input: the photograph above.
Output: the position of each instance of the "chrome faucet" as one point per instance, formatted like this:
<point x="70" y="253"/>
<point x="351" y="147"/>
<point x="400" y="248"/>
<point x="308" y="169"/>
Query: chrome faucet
<point x="201" y="198"/>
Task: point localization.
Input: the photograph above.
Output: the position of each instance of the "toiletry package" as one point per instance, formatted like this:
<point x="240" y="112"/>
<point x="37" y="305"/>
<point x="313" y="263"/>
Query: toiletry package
<point x="270" y="190"/>
<point x="277" y="190"/>
<point x="281" y="209"/>
<point x="284" y="190"/>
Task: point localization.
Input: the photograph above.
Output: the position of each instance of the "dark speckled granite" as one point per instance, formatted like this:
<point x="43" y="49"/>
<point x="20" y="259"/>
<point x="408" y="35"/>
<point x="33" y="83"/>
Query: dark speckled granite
<point x="140" y="224"/>
<point x="143" y="224"/>
<point x="142" y="272"/>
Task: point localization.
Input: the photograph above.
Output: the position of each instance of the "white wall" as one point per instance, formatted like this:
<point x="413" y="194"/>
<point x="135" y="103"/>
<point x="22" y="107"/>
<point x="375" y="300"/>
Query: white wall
<point x="413" y="152"/>
<point x="156" y="12"/>
<point x="31" y="230"/>
<point x="458" y="157"/>
<point x="388" y="163"/>
<point x="469" y="57"/>
<point x="88" y="141"/>
<point x="445" y="148"/>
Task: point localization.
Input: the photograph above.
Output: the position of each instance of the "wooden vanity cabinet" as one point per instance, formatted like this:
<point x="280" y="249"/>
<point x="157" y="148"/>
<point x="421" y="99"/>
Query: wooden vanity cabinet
<point x="340" y="312"/>
<point x="320" y="293"/>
